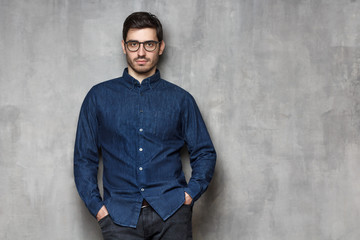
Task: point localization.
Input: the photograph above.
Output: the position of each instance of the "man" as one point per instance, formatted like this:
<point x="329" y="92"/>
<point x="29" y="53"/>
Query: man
<point x="139" y="123"/>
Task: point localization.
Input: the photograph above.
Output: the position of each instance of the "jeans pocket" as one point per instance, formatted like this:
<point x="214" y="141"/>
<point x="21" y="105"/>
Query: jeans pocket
<point x="107" y="228"/>
<point x="188" y="206"/>
<point x="105" y="221"/>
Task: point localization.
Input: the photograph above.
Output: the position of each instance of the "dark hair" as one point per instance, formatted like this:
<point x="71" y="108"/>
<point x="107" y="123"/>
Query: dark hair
<point x="142" y="20"/>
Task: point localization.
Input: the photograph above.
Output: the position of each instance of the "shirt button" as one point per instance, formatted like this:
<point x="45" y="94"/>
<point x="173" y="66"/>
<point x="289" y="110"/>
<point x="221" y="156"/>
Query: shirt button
<point x="142" y="189"/>
<point x="140" y="149"/>
<point x="141" y="129"/>
<point x="140" y="168"/>
<point x="141" y="110"/>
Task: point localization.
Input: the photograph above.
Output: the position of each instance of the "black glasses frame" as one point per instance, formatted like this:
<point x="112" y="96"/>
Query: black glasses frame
<point x="143" y="43"/>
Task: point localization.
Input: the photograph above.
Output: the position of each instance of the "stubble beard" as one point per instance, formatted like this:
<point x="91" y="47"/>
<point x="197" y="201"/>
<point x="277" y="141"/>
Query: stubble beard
<point x="142" y="69"/>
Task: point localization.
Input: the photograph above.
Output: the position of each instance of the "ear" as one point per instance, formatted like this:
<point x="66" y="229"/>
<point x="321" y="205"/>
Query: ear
<point x="123" y="46"/>
<point x="162" y="47"/>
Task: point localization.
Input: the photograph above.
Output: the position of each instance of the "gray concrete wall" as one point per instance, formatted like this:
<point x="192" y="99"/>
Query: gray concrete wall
<point x="277" y="81"/>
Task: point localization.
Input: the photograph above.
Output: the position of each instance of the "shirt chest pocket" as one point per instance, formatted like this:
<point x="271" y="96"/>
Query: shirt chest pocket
<point x="164" y="124"/>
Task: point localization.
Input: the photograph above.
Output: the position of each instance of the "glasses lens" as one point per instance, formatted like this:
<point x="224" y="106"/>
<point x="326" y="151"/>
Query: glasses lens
<point x="133" y="46"/>
<point x="150" y="45"/>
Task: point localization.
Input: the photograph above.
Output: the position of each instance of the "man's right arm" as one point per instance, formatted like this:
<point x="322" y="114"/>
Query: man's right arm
<point x="86" y="156"/>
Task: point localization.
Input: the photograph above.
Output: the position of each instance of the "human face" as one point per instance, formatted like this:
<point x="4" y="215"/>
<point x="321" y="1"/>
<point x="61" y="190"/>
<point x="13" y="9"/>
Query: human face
<point x="142" y="64"/>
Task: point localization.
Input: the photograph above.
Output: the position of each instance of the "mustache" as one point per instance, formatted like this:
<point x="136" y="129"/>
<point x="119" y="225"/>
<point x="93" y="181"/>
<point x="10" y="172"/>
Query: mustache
<point x="141" y="58"/>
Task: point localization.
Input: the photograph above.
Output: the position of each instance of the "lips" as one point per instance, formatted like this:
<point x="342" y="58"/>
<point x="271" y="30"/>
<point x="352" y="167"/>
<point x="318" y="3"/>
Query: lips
<point x="141" y="61"/>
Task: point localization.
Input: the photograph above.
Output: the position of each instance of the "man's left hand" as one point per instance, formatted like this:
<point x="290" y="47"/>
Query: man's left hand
<point x="188" y="199"/>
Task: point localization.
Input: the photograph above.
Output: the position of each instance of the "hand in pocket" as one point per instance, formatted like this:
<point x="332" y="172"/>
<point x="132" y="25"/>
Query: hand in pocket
<point x="188" y="199"/>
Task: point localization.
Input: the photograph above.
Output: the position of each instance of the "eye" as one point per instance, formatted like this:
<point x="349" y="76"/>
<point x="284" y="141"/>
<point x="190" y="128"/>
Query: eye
<point x="133" y="44"/>
<point x="150" y="44"/>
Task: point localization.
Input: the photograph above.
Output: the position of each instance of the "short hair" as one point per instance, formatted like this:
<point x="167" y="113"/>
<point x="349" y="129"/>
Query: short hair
<point x="141" y="20"/>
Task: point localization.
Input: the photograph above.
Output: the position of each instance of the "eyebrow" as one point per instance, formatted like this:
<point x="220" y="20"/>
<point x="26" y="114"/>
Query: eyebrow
<point x="140" y="41"/>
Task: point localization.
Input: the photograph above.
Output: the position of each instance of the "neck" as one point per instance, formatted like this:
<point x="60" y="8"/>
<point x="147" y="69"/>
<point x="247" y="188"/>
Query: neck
<point x="141" y="76"/>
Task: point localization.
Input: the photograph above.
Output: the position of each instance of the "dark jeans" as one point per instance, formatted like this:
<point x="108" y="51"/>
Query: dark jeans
<point x="151" y="226"/>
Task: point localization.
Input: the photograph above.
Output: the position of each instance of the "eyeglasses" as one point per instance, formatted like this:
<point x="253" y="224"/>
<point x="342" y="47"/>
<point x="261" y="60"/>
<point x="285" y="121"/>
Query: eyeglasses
<point x="149" y="46"/>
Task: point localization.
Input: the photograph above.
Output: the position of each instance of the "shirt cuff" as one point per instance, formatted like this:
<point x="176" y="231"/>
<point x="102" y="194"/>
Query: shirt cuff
<point x="94" y="206"/>
<point x="194" y="190"/>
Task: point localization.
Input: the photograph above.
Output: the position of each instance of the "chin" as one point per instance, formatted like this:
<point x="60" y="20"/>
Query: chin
<point x="143" y="70"/>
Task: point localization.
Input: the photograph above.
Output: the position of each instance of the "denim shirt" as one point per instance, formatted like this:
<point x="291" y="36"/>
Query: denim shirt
<point x="139" y="130"/>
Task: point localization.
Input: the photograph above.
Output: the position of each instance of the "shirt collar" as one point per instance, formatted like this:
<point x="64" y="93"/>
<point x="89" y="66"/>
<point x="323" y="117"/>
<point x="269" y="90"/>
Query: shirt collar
<point x="131" y="82"/>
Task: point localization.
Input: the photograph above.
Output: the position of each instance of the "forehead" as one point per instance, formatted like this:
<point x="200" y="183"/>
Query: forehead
<point x="143" y="34"/>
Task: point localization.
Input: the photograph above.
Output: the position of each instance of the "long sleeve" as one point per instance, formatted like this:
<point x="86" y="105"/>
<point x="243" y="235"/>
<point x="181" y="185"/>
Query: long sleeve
<point x="86" y="156"/>
<point x="201" y="150"/>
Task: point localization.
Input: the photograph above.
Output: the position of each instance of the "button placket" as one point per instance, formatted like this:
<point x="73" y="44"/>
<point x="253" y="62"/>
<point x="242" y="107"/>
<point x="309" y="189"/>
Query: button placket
<point x="141" y="116"/>
<point x="140" y="130"/>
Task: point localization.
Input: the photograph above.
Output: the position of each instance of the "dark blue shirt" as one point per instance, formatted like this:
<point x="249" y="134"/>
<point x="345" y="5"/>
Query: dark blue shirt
<point x="139" y="130"/>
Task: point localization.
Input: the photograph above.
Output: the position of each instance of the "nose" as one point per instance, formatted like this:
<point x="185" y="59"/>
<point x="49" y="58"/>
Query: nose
<point x="141" y="51"/>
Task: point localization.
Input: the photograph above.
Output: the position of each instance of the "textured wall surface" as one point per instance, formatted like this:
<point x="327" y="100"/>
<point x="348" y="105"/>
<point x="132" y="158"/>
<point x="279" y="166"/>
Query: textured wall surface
<point x="277" y="81"/>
